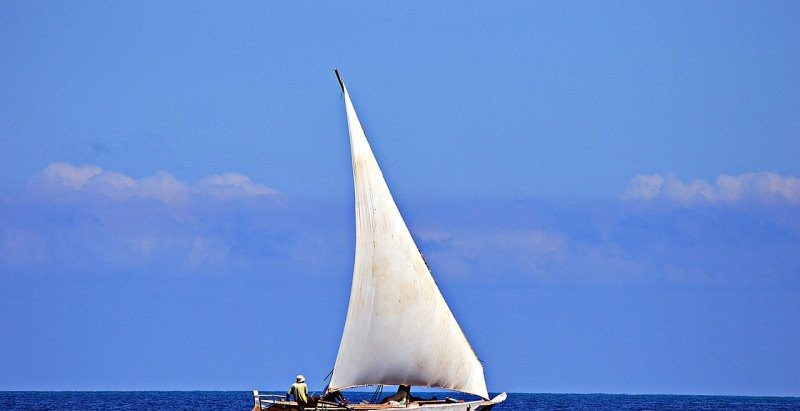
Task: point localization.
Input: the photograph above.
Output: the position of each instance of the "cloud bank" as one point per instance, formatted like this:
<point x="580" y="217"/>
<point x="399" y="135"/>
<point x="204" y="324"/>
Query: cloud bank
<point x="229" y="186"/>
<point x="61" y="181"/>
<point x="753" y="239"/>
<point x="87" y="219"/>
<point x="84" y="219"/>
<point x="761" y="187"/>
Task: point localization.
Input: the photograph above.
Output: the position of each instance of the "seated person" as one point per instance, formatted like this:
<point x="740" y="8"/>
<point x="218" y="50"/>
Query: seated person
<point x="402" y="396"/>
<point x="334" y="396"/>
<point x="331" y="396"/>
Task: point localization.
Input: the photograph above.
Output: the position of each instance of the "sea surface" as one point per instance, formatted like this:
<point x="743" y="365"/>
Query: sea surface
<point x="243" y="400"/>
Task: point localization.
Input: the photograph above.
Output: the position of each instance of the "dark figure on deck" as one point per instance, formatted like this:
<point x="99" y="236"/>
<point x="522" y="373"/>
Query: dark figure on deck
<point x="334" y="396"/>
<point x="299" y="390"/>
<point x="403" y="395"/>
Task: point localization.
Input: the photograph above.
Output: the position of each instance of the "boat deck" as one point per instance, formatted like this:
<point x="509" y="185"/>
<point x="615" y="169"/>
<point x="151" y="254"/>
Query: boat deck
<point x="433" y="404"/>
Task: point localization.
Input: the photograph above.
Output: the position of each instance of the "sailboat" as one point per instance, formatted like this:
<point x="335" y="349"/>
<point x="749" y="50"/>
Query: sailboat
<point x="399" y="329"/>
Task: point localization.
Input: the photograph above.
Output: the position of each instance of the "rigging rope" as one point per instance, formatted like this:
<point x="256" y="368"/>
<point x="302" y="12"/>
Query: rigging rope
<point x="378" y="392"/>
<point x="326" y="387"/>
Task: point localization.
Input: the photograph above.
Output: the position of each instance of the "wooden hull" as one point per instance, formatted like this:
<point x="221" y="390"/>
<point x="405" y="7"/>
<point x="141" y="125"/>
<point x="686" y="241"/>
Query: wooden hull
<point x="481" y="405"/>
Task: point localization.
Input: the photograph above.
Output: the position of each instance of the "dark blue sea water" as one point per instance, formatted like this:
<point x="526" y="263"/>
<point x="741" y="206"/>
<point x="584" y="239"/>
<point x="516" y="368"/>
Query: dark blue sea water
<point x="242" y="400"/>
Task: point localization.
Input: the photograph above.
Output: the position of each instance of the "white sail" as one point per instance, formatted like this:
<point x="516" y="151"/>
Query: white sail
<point x="399" y="329"/>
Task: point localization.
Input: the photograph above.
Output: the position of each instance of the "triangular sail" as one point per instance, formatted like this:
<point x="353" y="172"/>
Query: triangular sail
<point x="399" y="329"/>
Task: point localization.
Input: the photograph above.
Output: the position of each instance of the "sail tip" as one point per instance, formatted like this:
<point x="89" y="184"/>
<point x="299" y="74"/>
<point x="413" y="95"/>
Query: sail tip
<point x="339" y="77"/>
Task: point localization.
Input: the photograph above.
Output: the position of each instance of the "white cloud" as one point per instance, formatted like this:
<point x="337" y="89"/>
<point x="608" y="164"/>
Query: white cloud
<point x="228" y="186"/>
<point x="761" y="187"/>
<point x="165" y="188"/>
<point x="113" y="183"/>
<point x="62" y="174"/>
<point x="643" y="187"/>
<point x="63" y="181"/>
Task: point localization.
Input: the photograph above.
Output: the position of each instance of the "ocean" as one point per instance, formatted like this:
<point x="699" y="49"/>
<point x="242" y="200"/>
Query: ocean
<point x="243" y="400"/>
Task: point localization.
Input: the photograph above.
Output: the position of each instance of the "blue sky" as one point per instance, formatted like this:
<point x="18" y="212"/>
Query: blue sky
<point x="607" y="193"/>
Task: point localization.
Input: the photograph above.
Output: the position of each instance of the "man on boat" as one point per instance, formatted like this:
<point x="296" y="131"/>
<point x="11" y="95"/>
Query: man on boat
<point x="331" y="396"/>
<point x="299" y="390"/>
<point x="402" y="397"/>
